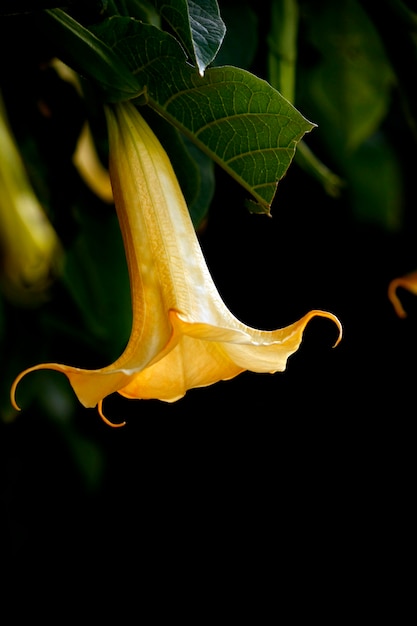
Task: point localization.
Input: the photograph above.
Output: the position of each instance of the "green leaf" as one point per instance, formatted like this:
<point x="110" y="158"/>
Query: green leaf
<point x="375" y="183"/>
<point x="347" y="91"/>
<point x="234" y="117"/>
<point x="351" y="85"/>
<point x="198" y="26"/>
<point x="90" y="56"/>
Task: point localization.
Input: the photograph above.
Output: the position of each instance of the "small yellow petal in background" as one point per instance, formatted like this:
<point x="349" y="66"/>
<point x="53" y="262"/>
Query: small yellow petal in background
<point x="88" y="164"/>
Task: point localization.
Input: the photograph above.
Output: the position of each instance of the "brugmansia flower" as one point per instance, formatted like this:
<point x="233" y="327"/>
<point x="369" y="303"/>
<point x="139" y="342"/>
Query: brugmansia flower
<point x="409" y="282"/>
<point x="183" y="335"/>
<point x="30" y="251"/>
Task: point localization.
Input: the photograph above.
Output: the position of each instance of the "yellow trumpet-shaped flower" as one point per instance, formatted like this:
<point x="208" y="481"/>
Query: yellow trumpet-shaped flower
<point x="408" y="282"/>
<point x="183" y="335"/>
<point x="30" y="251"/>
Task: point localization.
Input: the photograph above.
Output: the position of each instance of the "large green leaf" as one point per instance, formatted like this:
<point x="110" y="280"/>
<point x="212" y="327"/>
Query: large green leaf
<point x="236" y="118"/>
<point x="198" y="26"/>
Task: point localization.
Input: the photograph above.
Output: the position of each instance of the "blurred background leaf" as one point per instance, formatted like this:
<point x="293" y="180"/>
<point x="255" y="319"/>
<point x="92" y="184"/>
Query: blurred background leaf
<point x="351" y="83"/>
<point x="347" y="88"/>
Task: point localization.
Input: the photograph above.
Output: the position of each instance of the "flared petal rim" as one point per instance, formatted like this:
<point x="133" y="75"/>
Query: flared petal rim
<point x="197" y="355"/>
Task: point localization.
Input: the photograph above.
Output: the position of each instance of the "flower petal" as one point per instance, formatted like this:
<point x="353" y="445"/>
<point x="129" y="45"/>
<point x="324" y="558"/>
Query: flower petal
<point x="204" y="355"/>
<point x="409" y="282"/>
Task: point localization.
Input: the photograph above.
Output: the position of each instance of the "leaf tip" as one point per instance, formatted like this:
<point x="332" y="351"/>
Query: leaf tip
<point x="258" y="208"/>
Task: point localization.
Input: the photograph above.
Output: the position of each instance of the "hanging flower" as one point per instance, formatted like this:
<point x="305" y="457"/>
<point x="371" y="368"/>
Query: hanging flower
<point x="409" y="282"/>
<point x="30" y="251"/>
<point x="183" y="335"/>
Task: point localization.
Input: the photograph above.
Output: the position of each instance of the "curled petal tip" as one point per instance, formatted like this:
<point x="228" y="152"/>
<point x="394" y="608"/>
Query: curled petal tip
<point x="392" y="295"/>
<point x="334" y="319"/>
<point x="17" y="380"/>
<point x="14" y="403"/>
<point x="340" y="327"/>
<point x="105" y="419"/>
<point x="408" y="282"/>
<point x="13" y="391"/>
